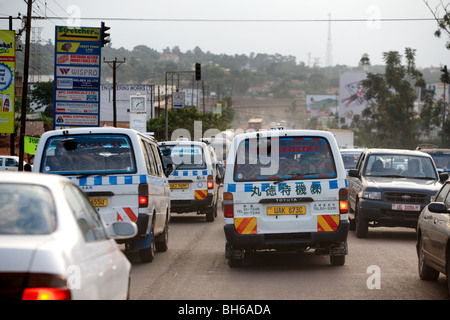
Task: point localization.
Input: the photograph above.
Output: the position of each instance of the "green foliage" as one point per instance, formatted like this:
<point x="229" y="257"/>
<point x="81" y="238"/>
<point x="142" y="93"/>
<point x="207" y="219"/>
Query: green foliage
<point x="390" y="120"/>
<point x="43" y="94"/>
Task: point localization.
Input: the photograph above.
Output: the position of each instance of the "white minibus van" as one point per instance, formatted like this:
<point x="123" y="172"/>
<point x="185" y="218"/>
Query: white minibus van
<point x="285" y="190"/>
<point x="121" y="171"/>
<point x="195" y="179"/>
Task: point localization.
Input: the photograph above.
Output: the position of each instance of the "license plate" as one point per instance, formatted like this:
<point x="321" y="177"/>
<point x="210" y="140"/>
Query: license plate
<point x="406" y="207"/>
<point x="179" y="185"/>
<point x="99" y="202"/>
<point x="286" y="210"/>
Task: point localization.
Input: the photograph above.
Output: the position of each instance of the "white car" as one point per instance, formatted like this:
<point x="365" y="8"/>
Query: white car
<point x="54" y="245"/>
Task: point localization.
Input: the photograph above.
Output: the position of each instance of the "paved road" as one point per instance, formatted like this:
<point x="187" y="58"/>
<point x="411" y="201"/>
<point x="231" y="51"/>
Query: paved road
<point x="383" y="266"/>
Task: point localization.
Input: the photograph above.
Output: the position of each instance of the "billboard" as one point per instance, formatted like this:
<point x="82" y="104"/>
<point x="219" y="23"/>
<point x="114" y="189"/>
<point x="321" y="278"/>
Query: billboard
<point x="320" y="107"/>
<point x="77" y="77"/>
<point x="7" y="66"/>
<point x="351" y="94"/>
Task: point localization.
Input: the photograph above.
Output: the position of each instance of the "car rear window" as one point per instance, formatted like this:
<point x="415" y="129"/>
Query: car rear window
<point x="88" y="154"/>
<point x="284" y="158"/>
<point x="26" y="209"/>
<point x="183" y="156"/>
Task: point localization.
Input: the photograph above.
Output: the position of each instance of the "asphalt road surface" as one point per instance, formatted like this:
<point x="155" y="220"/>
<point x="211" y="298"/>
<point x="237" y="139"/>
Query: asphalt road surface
<point x="380" y="267"/>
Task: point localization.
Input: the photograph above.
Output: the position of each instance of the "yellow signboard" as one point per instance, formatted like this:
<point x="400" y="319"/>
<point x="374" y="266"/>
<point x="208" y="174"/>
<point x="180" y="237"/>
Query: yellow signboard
<point x="30" y="145"/>
<point x="77" y="34"/>
<point x="7" y="66"/>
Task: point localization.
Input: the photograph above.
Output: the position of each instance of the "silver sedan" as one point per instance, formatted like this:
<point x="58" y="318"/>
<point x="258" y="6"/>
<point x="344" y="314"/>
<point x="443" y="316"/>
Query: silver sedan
<point x="54" y="245"/>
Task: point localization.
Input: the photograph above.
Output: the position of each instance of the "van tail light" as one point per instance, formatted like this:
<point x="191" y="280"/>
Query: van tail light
<point x="143" y="195"/>
<point x="228" y="206"/>
<point x="46" y="287"/>
<point x="343" y="200"/>
<point x="210" y="181"/>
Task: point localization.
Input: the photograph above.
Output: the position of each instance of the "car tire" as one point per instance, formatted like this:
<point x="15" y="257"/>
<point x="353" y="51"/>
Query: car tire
<point x="147" y="254"/>
<point x="361" y="224"/>
<point x="425" y="271"/>
<point x="210" y="212"/>
<point x="162" y="241"/>
<point x="337" y="260"/>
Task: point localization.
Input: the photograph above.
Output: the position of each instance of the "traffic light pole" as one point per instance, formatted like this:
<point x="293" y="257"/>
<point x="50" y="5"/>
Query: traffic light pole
<point x="170" y="74"/>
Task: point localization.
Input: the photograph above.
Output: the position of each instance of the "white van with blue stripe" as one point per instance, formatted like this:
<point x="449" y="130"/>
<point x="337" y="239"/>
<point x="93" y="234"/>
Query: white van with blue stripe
<point x="122" y="172"/>
<point x="194" y="182"/>
<point x="285" y="190"/>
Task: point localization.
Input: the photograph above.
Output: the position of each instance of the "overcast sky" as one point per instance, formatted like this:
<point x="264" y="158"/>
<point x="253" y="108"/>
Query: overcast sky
<point x="259" y="26"/>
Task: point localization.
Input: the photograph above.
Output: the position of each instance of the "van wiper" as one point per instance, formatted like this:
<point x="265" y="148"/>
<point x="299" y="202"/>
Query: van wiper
<point x="295" y="175"/>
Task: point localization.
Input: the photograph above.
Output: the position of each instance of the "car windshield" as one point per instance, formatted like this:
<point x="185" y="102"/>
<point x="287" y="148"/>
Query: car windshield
<point x="402" y="166"/>
<point x="88" y="154"/>
<point x="350" y="159"/>
<point x="26" y="209"/>
<point x="284" y="158"/>
<point x="183" y="156"/>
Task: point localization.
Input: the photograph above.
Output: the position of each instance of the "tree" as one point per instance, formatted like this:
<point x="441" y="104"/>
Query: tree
<point x="184" y="119"/>
<point x="444" y="22"/>
<point x="392" y="96"/>
<point x="42" y="94"/>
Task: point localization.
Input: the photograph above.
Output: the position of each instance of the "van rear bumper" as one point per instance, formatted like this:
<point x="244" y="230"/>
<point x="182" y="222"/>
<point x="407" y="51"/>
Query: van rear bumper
<point x="180" y="206"/>
<point x="301" y="240"/>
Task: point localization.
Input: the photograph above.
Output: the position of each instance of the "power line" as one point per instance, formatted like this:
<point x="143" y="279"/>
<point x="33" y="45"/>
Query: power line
<point x="240" y="20"/>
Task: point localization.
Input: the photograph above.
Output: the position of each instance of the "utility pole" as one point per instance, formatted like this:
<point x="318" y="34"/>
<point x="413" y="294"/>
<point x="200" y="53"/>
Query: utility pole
<point x="26" y="66"/>
<point x="114" y="64"/>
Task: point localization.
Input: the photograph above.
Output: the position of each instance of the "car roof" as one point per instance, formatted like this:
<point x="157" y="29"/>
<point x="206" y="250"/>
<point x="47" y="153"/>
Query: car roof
<point x="96" y="130"/>
<point x="436" y="151"/>
<point x="281" y="133"/>
<point x="48" y="180"/>
<point x="397" y="151"/>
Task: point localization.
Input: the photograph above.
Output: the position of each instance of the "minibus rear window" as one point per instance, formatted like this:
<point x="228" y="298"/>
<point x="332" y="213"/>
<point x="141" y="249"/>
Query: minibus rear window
<point x="284" y="158"/>
<point x="88" y="154"/>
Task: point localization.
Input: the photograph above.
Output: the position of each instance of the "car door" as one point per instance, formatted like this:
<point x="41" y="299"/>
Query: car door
<point x="103" y="267"/>
<point x="440" y="229"/>
<point x="354" y="183"/>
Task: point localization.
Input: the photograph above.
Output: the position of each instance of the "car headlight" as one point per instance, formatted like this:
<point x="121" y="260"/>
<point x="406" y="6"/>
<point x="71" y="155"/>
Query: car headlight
<point x="373" y="195"/>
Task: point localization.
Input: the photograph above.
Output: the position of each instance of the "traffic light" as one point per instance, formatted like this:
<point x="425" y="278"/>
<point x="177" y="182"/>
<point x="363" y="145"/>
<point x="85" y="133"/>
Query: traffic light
<point x="104" y="35"/>
<point x="444" y="76"/>
<point x="198" y="72"/>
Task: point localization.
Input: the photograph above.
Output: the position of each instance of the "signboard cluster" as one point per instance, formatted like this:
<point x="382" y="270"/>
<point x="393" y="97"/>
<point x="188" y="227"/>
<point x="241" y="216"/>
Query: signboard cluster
<point x="77" y="77"/>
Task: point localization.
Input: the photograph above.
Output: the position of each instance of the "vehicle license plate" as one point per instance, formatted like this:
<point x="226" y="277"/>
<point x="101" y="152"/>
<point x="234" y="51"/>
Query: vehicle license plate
<point x="286" y="210"/>
<point x="99" y="202"/>
<point x="406" y="207"/>
<point x="179" y="185"/>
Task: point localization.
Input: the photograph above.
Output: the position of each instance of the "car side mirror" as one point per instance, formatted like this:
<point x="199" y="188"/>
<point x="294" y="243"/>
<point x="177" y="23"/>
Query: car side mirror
<point x="437" y="207"/>
<point x="121" y="230"/>
<point x="443" y="176"/>
<point x="353" y="173"/>
<point x="169" y="169"/>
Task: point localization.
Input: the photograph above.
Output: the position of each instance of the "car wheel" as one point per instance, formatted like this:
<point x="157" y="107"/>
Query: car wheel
<point x="210" y="214"/>
<point x="425" y="271"/>
<point x="162" y="241"/>
<point x="448" y="273"/>
<point x="361" y="224"/>
<point x="147" y="254"/>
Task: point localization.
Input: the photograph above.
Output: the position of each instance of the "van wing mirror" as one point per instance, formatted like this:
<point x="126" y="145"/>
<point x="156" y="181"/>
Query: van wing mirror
<point x="353" y="173"/>
<point x="168" y="169"/>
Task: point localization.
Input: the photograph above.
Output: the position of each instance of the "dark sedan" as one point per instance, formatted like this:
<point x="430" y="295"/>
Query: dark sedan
<point x="390" y="188"/>
<point x="433" y="234"/>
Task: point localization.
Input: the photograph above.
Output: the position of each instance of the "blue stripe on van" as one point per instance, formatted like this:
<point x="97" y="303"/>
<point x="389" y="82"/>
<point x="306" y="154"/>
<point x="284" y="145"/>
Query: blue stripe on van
<point x="231" y="187"/>
<point x="128" y="179"/>
<point x="334" y="184"/>
<point x="112" y="180"/>
<point x="248" y="187"/>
